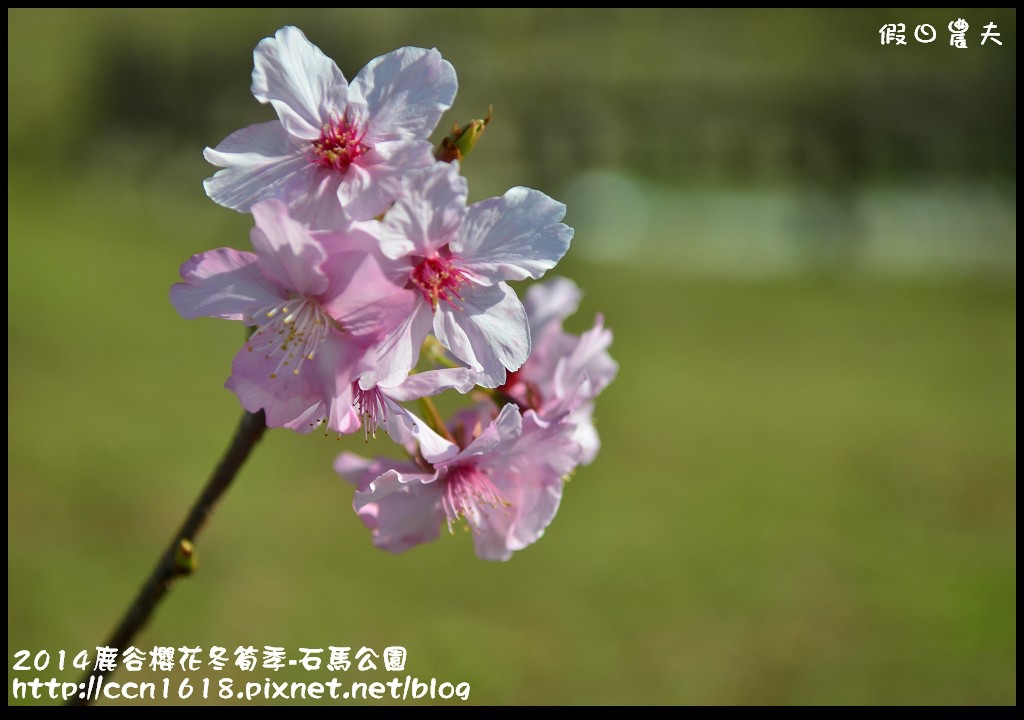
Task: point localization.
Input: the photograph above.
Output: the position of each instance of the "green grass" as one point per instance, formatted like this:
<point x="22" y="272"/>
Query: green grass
<point x="806" y="492"/>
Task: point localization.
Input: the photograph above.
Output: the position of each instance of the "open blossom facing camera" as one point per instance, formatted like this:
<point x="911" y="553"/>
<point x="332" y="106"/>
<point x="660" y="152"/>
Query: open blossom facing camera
<point x="364" y="252"/>
<point x="505" y="484"/>
<point x="337" y="149"/>
<point x="454" y="260"/>
<point x="316" y="305"/>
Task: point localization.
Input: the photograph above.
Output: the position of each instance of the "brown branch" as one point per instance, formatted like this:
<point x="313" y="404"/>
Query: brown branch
<point x="178" y="559"/>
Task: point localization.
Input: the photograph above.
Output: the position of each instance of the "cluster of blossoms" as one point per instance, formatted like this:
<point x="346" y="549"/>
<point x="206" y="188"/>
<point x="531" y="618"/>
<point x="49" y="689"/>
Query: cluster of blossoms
<point x="365" y="253"/>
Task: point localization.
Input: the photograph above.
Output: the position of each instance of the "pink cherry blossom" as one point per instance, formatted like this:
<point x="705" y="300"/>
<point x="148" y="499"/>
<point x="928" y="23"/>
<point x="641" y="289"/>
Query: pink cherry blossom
<point x="317" y="303"/>
<point x="505" y="484"/>
<point x="564" y="372"/>
<point x="337" y="149"/>
<point x="455" y="260"/>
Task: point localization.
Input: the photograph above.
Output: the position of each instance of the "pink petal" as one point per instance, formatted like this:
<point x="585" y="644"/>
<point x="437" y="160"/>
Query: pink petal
<point x="501" y="431"/>
<point x="539" y="503"/>
<point x="490" y="539"/>
<point x="320" y="390"/>
<point x="528" y="469"/>
<point x="585" y="434"/>
<point x="334" y="369"/>
<point x="402" y="510"/>
<point x="291" y="402"/>
<point x="589" y="361"/>
<point x="550" y="302"/>
<point x="362" y="471"/>
<point x="360" y="297"/>
<point x="549" y="447"/>
<point x="287" y="250"/>
<point x="504" y="530"/>
<point x="222" y="283"/>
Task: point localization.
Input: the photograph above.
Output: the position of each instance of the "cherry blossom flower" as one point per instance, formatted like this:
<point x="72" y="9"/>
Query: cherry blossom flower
<point x="564" y="372"/>
<point x="505" y="484"/>
<point x="455" y="261"/>
<point x="317" y="303"/>
<point x="337" y="148"/>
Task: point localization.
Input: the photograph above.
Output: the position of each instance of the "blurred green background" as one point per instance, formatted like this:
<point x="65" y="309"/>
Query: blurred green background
<point x="803" y="240"/>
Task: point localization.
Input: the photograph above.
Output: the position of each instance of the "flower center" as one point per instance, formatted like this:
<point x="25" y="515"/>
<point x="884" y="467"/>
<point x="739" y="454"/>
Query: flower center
<point x="371" y="408"/>
<point x="438" y="279"/>
<point x="525" y="392"/>
<point x="466" y="489"/>
<point x="291" y="331"/>
<point x="338" y="145"/>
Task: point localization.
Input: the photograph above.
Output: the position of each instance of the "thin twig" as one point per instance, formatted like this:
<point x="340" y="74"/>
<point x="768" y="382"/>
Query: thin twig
<point x="177" y="560"/>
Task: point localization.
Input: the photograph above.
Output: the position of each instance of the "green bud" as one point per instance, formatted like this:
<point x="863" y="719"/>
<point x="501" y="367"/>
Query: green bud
<point x="185" y="559"/>
<point x="462" y="140"/>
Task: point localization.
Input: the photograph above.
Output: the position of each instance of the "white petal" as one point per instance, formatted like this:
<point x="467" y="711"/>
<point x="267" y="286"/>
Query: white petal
<point x="376" y="179"/>
<point x="513" y="237"/>
<point x="393" y="358"/>
<point x="405" y="93"/>
<point x="313" y="199"/>
<point x="489" y="332"/>
<point x="260" y="162"/>
<point x="428" y="213"/>
<point x="433" y="382"/>
<point x="305" y="86"/>
<point x="404" y="426"/>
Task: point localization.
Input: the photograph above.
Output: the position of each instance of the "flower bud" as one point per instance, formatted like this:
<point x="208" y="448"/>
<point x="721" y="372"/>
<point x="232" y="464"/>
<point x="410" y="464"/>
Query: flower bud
<point x="185" y="559"/>
<point x="462" y="140"/>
